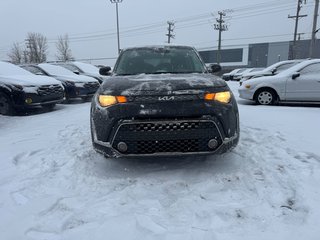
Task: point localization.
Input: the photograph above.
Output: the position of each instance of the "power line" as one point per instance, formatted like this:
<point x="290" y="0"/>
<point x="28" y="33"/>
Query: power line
<point x="246" y="11"/>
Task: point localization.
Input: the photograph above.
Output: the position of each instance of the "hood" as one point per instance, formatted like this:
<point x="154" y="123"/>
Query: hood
<point x="161" y="83"/>
<point x="76" y="78"/>
<point x="27" y="80"/>
<point x="262" y="79"/>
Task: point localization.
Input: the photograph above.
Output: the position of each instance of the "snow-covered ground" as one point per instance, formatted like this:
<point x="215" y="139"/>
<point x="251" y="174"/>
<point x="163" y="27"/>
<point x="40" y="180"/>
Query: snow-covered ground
<point x="53" y="185"/>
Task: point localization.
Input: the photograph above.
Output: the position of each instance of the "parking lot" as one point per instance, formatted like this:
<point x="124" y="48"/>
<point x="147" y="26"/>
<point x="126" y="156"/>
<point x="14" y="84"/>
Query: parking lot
<point x="53" y="185"/>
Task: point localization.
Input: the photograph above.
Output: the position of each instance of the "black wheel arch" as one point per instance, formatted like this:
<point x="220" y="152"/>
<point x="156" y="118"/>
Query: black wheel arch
<point x="6" y="93"/>
<point x="6" y="90"/>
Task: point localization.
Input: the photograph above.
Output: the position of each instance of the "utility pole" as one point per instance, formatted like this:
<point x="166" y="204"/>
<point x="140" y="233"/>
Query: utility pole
<point x="170" y="31"/>
<point x="220" y="27"/>
<point x="297" y="17"/>
<point x="314" y="29"/>
<point x="117" y="15"/>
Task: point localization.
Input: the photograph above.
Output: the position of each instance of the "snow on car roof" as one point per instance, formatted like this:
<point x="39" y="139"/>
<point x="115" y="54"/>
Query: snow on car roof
<point x="11" y="69"/>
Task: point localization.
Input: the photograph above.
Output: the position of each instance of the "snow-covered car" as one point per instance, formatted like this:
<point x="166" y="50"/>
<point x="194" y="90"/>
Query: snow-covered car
<point x="229" y="75"/>
<point x="237" y="76"/>
<point x="163" y="101"/>
<point x="81" y="68"/>
<point x="19" y="89"/>
<point x="300" y="83"/>
<point x="271" y="70"/>
<point x="76" y="86"/>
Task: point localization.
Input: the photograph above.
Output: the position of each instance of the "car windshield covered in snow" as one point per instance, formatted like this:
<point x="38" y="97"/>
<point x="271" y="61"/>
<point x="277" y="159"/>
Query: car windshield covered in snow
<point x="86" y="67"/>
<point x="55" y="70"/>
<point x="155" y="60"/>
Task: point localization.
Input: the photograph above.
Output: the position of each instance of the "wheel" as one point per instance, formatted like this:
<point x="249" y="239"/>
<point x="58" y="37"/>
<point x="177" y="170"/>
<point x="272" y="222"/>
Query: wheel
<point x="265" y="97"/>
<point x="49" y="107"/>
<point x="6" y="107"/>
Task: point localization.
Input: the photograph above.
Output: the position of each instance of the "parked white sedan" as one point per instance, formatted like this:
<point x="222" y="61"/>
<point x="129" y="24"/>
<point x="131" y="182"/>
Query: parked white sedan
<point x="300" y="83"/>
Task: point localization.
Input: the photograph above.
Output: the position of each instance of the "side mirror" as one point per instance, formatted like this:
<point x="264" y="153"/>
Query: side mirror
<point x="295" y="75"/>
<point x="273" y="71"/>
<point x="105" y="71"/>
<point x="213" y="68"/>
<point x="76" y="72"/>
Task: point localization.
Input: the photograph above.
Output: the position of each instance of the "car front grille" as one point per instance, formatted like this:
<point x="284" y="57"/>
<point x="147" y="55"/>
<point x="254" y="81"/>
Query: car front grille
<point x="93" y="86"/>
<point x="165" y="98"/>
<point x="50" y="90"/>
<point x="185" y="136"/>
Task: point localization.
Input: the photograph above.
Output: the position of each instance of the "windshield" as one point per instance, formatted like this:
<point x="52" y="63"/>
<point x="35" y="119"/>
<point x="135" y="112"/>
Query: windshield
<point x="159" y="60"/>
<point x="280" y="66"/>
<point x="55" y="70"/>
<point x="242" y="70"/>
<point x="10" y="69"/>
<point x="285" y="66"/>
<point x="87" y="68"/>
<point x="70" y="67"/>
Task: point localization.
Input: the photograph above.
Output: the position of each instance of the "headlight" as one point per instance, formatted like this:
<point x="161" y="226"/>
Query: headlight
<point x="223" y="97"/>
<point x="20" y="87"/>
<point x="107" y="100"/>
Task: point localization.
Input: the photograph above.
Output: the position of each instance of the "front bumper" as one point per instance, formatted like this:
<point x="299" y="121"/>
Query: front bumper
<point x="245" y="93"/>
<point x="38" y="96"/>
<point x="84" y="90"/>
<point x="164" y="129"/>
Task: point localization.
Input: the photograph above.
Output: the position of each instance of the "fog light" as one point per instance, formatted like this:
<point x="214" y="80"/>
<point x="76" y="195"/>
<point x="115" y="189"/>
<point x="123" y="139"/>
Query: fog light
<point x="122" y="147"/>
<point x="212" y="144"/>
<point x="28" y="100"/>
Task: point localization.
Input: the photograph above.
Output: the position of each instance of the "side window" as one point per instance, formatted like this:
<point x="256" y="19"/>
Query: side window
<point x="311" y="69"/>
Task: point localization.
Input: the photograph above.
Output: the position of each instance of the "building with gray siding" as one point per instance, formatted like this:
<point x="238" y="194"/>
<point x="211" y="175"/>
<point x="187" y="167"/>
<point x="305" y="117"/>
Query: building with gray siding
<point x="260" y="54"/>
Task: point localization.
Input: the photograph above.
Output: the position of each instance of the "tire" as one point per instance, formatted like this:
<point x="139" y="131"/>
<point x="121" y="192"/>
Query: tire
<point x="6" y="106"/>
<point x="265" y="97"/>
<point x="49" y="107"/>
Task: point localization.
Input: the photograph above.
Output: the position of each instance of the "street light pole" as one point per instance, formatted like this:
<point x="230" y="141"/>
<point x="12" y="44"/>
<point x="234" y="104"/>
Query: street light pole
<point x="118" y="35"/>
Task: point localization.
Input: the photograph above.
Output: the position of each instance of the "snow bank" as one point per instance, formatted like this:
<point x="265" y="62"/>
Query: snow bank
<point x="54" y="186"/>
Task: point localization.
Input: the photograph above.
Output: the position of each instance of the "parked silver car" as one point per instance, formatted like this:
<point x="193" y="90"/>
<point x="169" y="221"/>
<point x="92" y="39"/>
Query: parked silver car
<point x="271" y="70"/>
<point x="237" y="76"/>
<point x="300" y="83"/>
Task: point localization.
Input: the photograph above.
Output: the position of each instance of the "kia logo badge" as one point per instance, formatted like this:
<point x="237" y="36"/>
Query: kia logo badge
<point x="166" y="98"/>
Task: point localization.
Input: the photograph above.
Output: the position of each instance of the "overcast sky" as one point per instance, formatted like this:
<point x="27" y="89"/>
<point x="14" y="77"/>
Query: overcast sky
<point x="91" y="25"/>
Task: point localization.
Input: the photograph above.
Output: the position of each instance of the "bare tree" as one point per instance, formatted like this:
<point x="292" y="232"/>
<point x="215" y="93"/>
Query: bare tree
<point x="16" y="54"/>
<point x="64" y="51"/>
<point x="37" y="48"/>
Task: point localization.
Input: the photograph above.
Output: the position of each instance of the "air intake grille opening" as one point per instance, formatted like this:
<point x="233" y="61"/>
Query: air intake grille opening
<point x="47" y="90"/>
<point x="167" y="136"/>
